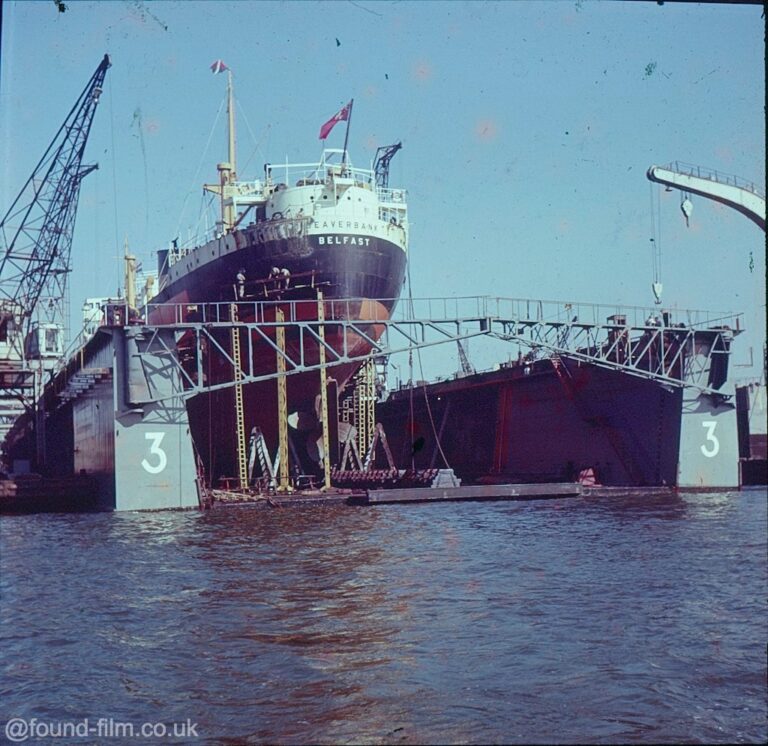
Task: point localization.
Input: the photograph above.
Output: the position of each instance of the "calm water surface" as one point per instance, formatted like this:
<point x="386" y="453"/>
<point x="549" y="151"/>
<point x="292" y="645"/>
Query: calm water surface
<point x="633" y="619"/>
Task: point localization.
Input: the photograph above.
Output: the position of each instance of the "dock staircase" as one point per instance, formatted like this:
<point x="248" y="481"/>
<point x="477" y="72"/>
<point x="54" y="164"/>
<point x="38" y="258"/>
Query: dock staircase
<point x="84" y="380"/>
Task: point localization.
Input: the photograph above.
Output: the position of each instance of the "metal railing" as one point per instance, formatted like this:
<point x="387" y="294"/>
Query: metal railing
<point x="564" y="312"/>
<point x="387" y="194"/>
<point x="680" y="356"/>
<point x="623" y="337"/>
<point x="444" y="309"/>
<point x="320" y="170"/>
<point x="711" y="174"/>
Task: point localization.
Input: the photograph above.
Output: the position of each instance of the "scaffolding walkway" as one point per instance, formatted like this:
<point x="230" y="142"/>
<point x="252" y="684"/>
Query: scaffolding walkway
<point x="680" y="348"/>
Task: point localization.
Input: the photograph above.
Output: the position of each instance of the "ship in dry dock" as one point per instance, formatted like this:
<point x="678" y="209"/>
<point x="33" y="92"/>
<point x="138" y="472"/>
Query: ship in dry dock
<point x="648" y="403"/>
<point x="305" y="230"/>
<point x="562" y="418"/>
<point x="549" y="420"/>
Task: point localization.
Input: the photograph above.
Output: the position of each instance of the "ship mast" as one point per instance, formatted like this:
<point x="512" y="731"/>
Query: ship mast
<point x="228" y="169"/>
<point x="130" y="277"/>
<point x="231" y="122"/>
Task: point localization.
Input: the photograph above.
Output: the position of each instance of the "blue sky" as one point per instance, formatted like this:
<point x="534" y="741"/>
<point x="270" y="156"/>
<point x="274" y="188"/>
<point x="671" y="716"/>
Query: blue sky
<point x="527" y="129"/>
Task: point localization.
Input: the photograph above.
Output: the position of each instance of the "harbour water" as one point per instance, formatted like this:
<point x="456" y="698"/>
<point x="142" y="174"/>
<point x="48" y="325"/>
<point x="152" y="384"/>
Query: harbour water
<point x="636" y="619"/>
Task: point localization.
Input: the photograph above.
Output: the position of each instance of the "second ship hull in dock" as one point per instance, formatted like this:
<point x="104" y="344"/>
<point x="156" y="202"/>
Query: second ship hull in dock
<point x="527" y="423"/>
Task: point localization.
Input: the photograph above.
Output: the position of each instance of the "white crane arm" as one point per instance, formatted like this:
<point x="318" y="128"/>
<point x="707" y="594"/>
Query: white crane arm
<point x="744" y="198"/>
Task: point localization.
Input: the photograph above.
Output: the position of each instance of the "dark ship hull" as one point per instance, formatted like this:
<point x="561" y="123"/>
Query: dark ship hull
<point x="374" y="269"/>
<point x="351" y="271"/>
<point x="510" y="426"/>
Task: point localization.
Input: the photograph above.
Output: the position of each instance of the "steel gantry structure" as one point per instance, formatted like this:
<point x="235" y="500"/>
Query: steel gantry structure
<point x="680" y="348"/>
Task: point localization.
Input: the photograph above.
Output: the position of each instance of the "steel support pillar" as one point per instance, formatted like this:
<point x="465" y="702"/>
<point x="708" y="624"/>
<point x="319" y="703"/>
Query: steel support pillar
<point x="282" y="404"/>
<point x="709" y="447"/>
<point x="154" y="462"/>
<point x="324" y="394"/>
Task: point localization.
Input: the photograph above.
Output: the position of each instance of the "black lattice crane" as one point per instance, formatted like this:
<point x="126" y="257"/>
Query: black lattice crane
<point x="36" y="232"/>
<point x="466" y="367"/>
<point x="384" y="155"/>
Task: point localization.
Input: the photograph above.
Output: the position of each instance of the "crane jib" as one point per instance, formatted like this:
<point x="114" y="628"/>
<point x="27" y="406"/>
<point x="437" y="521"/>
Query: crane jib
<point x="36" y="231"/>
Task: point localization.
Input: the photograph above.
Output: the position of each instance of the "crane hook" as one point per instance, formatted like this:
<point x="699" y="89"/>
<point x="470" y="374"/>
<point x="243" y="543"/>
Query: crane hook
<point x="687" y="207"/>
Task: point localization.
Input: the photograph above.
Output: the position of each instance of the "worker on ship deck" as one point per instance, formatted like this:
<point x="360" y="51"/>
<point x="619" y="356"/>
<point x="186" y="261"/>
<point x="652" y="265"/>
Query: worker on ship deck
<point x="281" y="278"/>
<point x="285" y="278"/>
<point x="274" y="276"/>
<point x="240" y="279"/>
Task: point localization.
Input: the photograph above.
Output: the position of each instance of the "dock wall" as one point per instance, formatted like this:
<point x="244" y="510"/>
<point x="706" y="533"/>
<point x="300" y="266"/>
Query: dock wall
<point x="114" y="418"/>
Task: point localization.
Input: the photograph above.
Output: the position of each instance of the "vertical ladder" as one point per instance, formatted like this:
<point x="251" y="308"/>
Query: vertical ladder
<point x="282" y="403"/>
<point x="370" y="391"/>
<point x="359" y="399"/>
<point x="324" y="394"/>
<point x="242" y="454"/>
<point x="347" y="405"/>
<point x="365" y="411"/>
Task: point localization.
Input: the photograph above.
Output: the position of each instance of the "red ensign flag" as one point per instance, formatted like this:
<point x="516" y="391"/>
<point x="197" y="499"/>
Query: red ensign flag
<point x="341" y="116"/>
